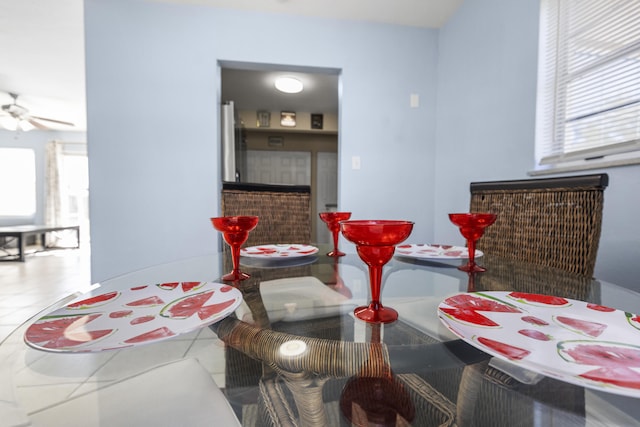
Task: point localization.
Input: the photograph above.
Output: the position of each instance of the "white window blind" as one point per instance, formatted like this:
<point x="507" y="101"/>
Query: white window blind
<point x="588" y="82"/>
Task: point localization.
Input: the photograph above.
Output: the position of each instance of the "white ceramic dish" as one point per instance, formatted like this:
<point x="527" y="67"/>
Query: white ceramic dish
<point x="435" y="252"/>
<point x="280" y="251"/>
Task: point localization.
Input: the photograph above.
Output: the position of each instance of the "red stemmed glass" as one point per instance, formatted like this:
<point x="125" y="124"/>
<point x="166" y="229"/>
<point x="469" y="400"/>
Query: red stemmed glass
<point x="332" y="219"/>
<point x="235" y="230"/>
<point x="472" y="227"/>
<point x="376" y="242"/>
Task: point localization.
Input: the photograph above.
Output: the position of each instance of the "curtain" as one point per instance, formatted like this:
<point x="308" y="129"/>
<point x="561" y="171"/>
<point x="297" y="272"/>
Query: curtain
<point x="53" y="208"/>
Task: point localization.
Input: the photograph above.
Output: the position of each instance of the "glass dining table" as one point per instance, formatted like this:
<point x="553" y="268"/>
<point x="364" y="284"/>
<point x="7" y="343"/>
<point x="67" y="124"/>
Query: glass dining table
<point x="292" y="353"/>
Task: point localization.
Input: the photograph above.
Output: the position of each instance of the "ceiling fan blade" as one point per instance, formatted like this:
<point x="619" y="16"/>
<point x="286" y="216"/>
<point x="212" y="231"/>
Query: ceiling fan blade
<point x="36" y="124"/>
<point x="52" y="120"/>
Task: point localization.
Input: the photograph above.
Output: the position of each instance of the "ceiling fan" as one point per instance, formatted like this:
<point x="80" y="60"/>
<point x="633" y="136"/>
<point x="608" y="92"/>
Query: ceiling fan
<point x="22" y="120"/>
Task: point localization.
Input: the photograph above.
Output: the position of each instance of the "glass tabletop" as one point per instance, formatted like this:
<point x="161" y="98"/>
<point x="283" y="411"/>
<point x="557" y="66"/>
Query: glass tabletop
<point x="293" y="353"/>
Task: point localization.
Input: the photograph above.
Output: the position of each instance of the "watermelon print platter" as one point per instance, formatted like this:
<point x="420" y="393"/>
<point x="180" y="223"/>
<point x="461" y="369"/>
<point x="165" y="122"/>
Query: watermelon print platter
<point x="131" y="317"/>
<point x="435" y="251"/>
<point x="281" y="251"/>
<point x="582" y="343"/>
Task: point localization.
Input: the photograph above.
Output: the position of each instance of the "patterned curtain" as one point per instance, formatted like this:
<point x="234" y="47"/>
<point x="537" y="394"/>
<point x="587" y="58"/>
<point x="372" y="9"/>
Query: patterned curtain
<point x="53" y="206"/>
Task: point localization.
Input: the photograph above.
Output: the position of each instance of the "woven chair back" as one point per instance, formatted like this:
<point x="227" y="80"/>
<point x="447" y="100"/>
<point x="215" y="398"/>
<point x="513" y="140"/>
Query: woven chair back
<point x="553" y="222"/>
<point x="285" y="217"/>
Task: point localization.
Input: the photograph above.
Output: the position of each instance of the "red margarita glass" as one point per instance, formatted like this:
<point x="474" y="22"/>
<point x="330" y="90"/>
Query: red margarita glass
<point x="235" y="230"/>
<point x="376" y="242"/>
<point x="332" y="219"/>
<point x="472" y="227"/>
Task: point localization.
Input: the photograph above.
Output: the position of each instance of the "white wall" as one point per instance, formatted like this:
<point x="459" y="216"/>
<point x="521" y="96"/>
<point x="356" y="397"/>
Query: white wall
<point x="485" y="125"/>
<point x="153" y="98"/>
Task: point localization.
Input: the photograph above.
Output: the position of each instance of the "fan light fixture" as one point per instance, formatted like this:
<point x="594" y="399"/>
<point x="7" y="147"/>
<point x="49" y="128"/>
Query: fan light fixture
<point x="17" y="118"/>
<point x="13" y="124"/>
<point x="288" y="84"/>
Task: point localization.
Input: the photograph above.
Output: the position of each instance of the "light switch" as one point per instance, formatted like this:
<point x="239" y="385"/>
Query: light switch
<point x="414" y="100"/>
<point x="355" y="163"/>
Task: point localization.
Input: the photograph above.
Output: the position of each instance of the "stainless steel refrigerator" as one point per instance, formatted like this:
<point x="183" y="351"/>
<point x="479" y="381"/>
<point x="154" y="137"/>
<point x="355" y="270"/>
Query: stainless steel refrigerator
<point x="234" y="151"/>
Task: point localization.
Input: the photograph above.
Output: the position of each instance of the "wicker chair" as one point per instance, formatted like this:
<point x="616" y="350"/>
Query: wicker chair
<point x="284" y="211"/>
<point x="553" y="222"/>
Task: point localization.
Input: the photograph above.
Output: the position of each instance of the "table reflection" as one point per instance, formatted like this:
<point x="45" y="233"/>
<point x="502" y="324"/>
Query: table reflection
<point x="290" y="351"/>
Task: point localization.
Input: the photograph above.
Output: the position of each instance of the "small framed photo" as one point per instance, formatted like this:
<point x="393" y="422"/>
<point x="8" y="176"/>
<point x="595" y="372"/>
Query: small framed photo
<point x="316" y="121"/>
<point x="263" y="119"/>
<point x="276" y="141"/>
<point x="288" y="119"/>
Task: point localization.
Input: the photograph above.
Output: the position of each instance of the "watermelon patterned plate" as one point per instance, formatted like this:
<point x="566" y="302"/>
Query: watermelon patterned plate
<point x="574" y="341"/>
<point x="134" y="316"/>
<point x="435" y="252"/>
<point x="286" y="251"/>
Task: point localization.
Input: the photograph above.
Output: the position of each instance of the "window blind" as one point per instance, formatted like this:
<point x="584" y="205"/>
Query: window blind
<point x="589" y="80"/>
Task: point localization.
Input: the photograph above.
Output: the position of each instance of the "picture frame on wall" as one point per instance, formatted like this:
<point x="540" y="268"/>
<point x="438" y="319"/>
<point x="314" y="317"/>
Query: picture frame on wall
<point x="288" y="119"/>
<point x="263" y="119"/>
<point x="316" y="121"/>
<point x="275" y="141"/>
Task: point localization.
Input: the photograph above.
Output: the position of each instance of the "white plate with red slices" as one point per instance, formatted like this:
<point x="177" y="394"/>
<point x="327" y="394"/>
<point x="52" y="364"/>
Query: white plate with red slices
<point x="435" y="252"/>
<point x="574" y="341"/>
<point x="279" y="252"/>
<point x="130" y="317"/>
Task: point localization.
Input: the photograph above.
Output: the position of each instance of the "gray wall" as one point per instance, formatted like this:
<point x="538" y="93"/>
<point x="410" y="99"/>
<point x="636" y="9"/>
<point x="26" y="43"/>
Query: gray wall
<point x="153" y="108"/>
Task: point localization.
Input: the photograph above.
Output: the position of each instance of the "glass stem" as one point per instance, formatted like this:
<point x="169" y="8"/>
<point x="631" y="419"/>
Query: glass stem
<point x="471" y="245"/>
<point x="235" y="256"/>
<point x="335" y="239"/>
<point x="375" y="279"/>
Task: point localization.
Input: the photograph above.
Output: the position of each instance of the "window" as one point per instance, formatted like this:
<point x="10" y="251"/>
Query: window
<point x="588" y="85"/>
<point x="17" y="182"/>
<point x="67" y="187"/>
<point x="74" y="188"/>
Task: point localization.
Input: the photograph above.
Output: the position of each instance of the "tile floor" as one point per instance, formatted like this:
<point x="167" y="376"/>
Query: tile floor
<point x="45" y="277"/>
<point x="26" y="288"/>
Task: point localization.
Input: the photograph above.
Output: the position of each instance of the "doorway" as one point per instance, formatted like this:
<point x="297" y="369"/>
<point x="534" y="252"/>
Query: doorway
<point x="295" y="135"/>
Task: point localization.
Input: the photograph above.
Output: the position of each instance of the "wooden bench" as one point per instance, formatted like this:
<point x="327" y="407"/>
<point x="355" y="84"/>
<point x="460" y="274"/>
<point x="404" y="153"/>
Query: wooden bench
<point x="20" y="233"/>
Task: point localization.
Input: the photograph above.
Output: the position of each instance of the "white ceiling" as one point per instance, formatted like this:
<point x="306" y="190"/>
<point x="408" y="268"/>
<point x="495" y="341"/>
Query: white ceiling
<point x="42" y="49"/>
<point x="254" y="90"/>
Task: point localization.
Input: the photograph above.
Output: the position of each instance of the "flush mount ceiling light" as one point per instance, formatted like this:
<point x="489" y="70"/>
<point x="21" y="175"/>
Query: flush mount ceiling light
<point x="288" y="84"/>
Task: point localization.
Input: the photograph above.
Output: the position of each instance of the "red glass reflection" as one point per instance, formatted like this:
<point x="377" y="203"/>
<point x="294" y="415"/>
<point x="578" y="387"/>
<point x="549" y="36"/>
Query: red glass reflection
<point x="375" y="396"/>
<point x="337" y="284"/>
